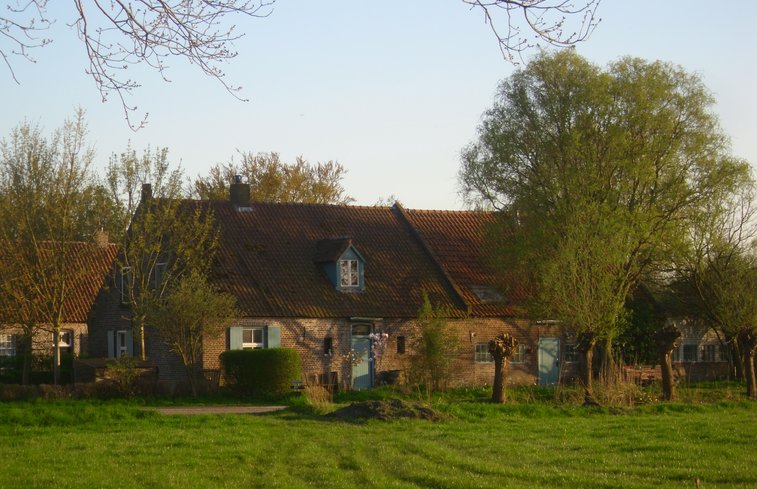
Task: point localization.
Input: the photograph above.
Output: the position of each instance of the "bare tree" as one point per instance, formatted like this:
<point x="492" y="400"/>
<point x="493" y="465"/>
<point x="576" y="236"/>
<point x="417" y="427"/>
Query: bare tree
<point x="165" y="238"/>
<point x="46" y="204"/>
<point x="560" y="23"/>
<point x="192" y="311"/>
<point x="117" y="34"/>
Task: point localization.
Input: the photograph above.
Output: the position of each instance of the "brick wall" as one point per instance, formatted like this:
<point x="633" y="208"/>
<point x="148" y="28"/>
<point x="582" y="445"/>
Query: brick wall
<point x="307" y="336"/>
<point x="107" y="314"/>
<point x="42" y="342"/>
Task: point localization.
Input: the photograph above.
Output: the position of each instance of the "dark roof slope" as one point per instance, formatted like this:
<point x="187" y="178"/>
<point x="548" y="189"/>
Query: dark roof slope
<point x="269" y="259"/>
<point x="89" y="266"/>
<point x="458" y="241"/>
<point x="329" y="250"/>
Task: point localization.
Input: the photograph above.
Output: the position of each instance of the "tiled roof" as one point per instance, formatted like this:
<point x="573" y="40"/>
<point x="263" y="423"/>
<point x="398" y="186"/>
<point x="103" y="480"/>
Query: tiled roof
<point x="268" y="259"/>
<point x="458" y="240"/>
<point x="271" y="258"/>
<point x="329" y="250"/>
<point x="89" y="266"/>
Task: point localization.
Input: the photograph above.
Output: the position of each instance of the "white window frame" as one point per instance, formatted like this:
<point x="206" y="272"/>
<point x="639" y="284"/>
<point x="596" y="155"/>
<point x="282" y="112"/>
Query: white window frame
<point x="723" y="352"/>
<point x="122" y="345"/>
<point x="481" y="354"/>
<point x="519" y="355"/>
<point x="690" y="346"/>
<point x="676" y="354"/>
<point x="7" y="345"/>
<point x="571" y="353"/>
<point x="253" y="345"/>
<point x="65" y="345"/>
<point x="713" y="352"/>
<point x="349" y="274"/>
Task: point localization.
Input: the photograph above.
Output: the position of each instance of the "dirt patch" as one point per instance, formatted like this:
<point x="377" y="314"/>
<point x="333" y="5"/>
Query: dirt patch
<point x="217" y="409"/>
<point x="388" y="410"/>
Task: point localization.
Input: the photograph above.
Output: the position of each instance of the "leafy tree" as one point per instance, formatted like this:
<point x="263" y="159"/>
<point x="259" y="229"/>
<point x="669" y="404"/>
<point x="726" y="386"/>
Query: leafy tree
<point x="501" y="349"/>
<point x="716" y="274"/>
<point x="272" y="180"/>
<point x="192" y="311"/>
<point x="636" y="342"/>
<point x="166" y="239"/>
<point x="595" y="171"/>
<point x="434" y="347"/>
<point x="47" y="198"/>
<point x="724" y="291"/>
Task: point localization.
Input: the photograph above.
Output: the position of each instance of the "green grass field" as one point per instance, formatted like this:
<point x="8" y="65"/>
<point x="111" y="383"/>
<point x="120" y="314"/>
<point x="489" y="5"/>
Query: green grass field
<point x="115" y="444"/>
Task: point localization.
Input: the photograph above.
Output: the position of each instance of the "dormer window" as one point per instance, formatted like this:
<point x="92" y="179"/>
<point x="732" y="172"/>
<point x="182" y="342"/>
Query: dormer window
<point x="348" y="273"/>
<point x="342" y="263"/>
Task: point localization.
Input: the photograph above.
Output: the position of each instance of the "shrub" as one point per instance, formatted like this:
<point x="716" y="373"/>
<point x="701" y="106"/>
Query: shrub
<point x="433" y="349"/>
<point x="123" y="372"/>
<point x="260" y="372"/>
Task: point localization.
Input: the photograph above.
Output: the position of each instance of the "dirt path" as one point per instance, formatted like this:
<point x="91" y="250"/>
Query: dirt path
<point x="216" y="409"/>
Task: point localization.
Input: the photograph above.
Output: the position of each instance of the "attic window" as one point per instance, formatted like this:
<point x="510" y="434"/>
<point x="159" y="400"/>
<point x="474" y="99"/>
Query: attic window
<point x="348" y="273"/>
<point x="342" y="263"/>
<point x="487" y="294"/>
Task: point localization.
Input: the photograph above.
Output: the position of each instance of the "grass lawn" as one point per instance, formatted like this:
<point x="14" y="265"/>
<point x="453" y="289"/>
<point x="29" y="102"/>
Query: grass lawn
<point x="115" y="444"/>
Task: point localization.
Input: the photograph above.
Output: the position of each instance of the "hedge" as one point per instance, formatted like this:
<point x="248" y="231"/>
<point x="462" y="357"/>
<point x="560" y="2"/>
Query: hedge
<point x="260" y="372"/>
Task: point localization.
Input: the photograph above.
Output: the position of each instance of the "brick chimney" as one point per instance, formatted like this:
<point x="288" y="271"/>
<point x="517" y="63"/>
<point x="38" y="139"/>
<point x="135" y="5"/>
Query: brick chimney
<point x="146" y="192"/>
<point x="101" y="238"/>
<point x="239" y="193"/>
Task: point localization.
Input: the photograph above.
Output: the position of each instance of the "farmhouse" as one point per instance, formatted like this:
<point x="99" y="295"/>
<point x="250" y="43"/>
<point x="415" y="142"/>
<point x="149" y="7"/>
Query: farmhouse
<point x="28" y="304"/>
<point x="321" y="279"/>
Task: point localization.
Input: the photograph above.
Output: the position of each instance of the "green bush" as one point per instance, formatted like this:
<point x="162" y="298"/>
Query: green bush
<point x="261" y="372"/>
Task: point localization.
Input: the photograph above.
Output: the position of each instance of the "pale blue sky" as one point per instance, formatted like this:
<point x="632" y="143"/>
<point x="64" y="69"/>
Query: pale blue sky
<point x="392" y="90"/>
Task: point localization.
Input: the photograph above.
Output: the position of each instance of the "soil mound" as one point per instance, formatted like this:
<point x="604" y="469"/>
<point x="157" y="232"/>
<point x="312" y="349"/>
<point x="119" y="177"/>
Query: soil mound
<point x="387" y="410"/>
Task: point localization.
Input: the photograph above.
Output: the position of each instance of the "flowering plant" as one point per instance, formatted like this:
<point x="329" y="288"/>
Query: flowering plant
<point x="378" y="346"/>
<point x="352" y="358"/>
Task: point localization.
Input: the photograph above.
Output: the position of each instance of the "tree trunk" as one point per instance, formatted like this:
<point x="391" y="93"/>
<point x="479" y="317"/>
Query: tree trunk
<point x="748" y="343"/>
<point x="142" y="351"/>
<point x="607" y="369"/>
<point x="668" y="386"/>
<point x="751" y="388"/>
<point x="666" y="339"/>
<point x="26" y="362"/>
<point x="585" y="345"/>
<point x="192" y="376"/>
<point x="736" y="360"/>
<point x="500" y="376"/>
<point x="140" y="331"/>
<point x="56" y="355"/>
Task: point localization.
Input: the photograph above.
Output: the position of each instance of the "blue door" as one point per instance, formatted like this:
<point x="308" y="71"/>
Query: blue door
<point x="362" y="373"/>
<point x="549" y="360"/>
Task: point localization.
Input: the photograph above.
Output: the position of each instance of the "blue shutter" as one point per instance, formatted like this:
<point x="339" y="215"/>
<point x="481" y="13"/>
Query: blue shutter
<point x="130" y="342"/>
<point x="235" y="338"/>
<point x="111" y="344"/>
<point x="273" y="337"/>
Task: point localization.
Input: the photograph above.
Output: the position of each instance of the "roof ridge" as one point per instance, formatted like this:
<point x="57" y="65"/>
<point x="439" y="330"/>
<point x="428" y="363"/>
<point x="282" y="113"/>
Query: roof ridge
<point x="450" y="211"/>
<point x="346" y="206"/>
<point x="416" y="233"/>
